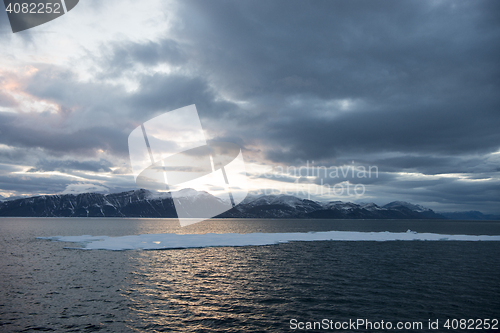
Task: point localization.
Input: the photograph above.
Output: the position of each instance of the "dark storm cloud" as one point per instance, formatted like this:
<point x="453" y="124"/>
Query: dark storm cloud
<point x="427" y="72"/>
<point x="445" y="130"/>
<point x="478" y="165"/>
<point x="339" y="49"/>
<point x="32" y="185"/>
<point x="86" y="104"/>
<point x="93" y="116"/>
<point x="422" y="76"/>
<point x="13" y="132"/>
<point x="68" y="165"/>
<point x="89" y="116"/>
<point x="14" y="156"/>
<point x="161" y="92"/>
<point x="126" y="55"/>
<point x="96" y="100"/>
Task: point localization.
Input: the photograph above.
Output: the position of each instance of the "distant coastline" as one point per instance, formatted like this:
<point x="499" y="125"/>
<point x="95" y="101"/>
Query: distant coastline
<point x="145" y="204"/>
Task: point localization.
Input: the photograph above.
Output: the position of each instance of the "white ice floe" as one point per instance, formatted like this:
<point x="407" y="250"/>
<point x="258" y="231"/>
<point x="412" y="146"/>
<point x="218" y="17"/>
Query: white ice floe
<point x="176" y="241"/>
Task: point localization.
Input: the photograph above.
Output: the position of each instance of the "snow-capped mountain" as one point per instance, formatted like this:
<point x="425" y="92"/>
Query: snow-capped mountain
<point x="408" y="208"/>
<point x="143" y="203"/>
<point x="277" y="206"/>
<point x="126" y="204"/>
<point x="416" y="208"/>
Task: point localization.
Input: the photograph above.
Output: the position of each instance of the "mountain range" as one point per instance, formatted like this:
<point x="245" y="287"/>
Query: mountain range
<point x="143" y="203"/>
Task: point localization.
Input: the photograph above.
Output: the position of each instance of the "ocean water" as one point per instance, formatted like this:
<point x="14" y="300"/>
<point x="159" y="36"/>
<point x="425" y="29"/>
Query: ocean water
<point x="49" y="284"/>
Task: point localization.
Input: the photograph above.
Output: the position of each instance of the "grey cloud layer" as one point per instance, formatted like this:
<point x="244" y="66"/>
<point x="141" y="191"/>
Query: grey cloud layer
<point x="427" y="73"/>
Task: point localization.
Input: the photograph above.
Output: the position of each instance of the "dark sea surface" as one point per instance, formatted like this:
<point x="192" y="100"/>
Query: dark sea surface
<point x="44" y="286"/>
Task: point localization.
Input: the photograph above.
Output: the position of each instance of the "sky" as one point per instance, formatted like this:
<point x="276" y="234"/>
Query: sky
<point x="409" y="89"/>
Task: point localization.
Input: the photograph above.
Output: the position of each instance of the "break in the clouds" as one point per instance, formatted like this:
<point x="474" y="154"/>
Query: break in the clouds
<point x="409" y="86"/>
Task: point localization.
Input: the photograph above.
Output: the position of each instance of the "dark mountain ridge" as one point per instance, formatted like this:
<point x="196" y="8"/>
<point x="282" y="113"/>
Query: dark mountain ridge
<point x="143" y="203"/>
